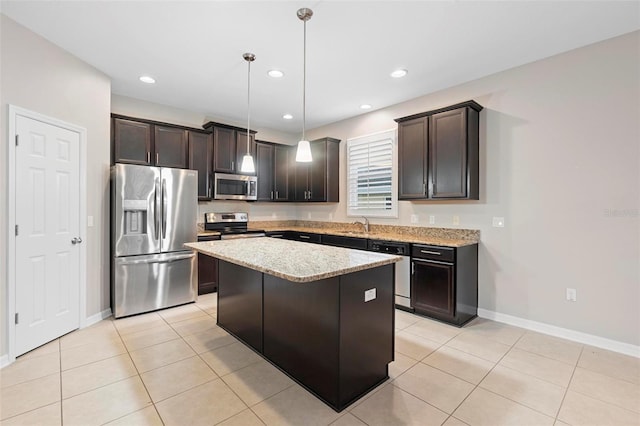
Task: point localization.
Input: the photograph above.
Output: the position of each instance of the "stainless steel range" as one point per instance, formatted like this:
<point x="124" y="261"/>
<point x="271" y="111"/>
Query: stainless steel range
<point x="230" y="225"/>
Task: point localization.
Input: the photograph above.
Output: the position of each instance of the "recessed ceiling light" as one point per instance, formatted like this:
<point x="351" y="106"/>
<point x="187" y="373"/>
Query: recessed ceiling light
<point x="275" y="73"/>
<point x="399" y="73"/>
<point x="147" y="79"/>
<point x="287" y="116"/>
<point x="365" y="106"/>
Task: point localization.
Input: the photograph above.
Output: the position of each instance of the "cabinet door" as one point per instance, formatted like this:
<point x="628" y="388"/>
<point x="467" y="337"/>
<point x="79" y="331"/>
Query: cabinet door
<point x="207" y="274"/>
<point x="131" y="142"/>
<point x="241" y="150"/>
<point x="448" y="154"/>
<point x="281" y="173"/>
<point x="301" y="186"/>
<point x="412" y="158"/>
<point x="318" y="172"/>
<point x="171" y="147"/>
<point x="433" y="288"/>
<point x="224" y="149"/>
<point x="201" y="159"/>
<point x="264" y="167"/>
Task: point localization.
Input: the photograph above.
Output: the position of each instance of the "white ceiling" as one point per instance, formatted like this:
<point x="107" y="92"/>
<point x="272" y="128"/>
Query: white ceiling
<point x="194" y="49"/>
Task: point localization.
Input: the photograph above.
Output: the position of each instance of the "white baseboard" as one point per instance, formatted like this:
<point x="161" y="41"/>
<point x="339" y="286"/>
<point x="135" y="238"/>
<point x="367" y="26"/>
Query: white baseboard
<point x="97" y="317"/>
<point x="565" y="333"/>
<point x="4" y="360"/>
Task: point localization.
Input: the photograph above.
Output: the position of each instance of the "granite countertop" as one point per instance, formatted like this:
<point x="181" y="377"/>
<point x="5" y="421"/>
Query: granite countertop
<point x="292" y="260"/>
<point x="380" y="235"/>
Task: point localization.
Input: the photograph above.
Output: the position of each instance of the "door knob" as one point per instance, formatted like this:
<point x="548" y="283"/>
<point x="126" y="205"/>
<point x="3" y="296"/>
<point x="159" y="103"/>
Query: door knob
<point x="74" y="241"/>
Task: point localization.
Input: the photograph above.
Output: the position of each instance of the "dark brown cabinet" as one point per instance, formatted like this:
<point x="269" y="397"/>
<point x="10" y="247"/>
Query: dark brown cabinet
<point x="150" y="143"/>
<point x="229" y="147"/>
<point x="171" y="147"/>
<point x="131" y="141"/>
<point x="444" y="282"/>
<point x="201" y="159"/>
<point x="207" y="269"/>
<point x="272" y="166"/>
<point x="438" y="153"/>
<point x="318" y="180"/>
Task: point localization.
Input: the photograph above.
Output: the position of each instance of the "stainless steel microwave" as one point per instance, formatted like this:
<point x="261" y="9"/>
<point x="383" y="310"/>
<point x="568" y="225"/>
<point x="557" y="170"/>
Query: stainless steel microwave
<point x="235" y="187"/>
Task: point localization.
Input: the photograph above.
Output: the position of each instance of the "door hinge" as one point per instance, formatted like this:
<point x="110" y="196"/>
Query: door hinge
<point x="17" y="140"/>
<point x="17" y="317"/>
<point x="16" y="230"/>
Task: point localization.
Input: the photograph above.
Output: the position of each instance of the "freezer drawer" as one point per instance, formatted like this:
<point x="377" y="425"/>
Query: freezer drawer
<point x="150" y="282"/>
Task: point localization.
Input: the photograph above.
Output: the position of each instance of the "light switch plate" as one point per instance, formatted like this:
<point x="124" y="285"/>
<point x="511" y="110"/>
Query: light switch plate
<point x="89" y="221"/>
<point x="456" y="220"/>
<point x="369" y="295"/>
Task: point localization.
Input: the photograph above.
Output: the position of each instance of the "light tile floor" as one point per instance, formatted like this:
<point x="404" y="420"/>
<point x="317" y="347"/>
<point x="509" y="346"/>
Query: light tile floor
<point x="176" y="367"/>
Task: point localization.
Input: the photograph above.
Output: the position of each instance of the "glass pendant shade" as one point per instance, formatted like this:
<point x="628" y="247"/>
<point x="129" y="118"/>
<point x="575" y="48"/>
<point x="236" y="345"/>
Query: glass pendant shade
<point x="303" y="153"/>
<point x="247" y="164"/>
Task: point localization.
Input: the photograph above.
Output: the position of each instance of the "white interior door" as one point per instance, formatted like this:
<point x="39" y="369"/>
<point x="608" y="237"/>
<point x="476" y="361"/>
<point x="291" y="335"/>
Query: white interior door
<point x="47" y="212"/>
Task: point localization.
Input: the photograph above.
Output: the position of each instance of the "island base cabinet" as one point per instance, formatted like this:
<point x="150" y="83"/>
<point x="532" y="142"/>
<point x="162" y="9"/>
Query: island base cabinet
<point x="240" y="303"/>
<point x="327" y="337"/>
<point x="323" y="333"/>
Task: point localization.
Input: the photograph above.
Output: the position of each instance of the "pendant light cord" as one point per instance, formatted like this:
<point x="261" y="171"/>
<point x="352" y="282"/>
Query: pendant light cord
<point x="249" y="109"/>
<point x="304" y="82"/>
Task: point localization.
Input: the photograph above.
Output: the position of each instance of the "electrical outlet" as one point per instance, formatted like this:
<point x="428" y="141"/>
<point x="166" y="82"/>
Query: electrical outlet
<point x="369" y="295"/>
<point x="456" y="220"/>
<point x="330" y="216"/>
<point x="432" y="219"/>
<point x="571" y="294"/>
<point x="498" y="222"/>
<point x="414" y="218"/>
<point x="308" y="215"/>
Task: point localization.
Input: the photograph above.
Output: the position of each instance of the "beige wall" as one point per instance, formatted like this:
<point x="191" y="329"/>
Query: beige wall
<point x="560" y="162"/>
<point x="39" y="76"/>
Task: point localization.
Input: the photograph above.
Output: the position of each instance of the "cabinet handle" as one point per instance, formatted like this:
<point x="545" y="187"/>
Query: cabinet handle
<point x="157" y="158"/>
<point x="277" y="195"/>
<point x="424" y="188"/>
<point x="233" y="165"/>
<point x="148" y="157"/>
<point x="272" y="195"/>
<point x="437" y="253"/>
<point x="304" y="237"/>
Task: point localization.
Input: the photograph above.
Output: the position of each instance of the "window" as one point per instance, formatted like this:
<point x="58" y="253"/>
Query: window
<point x="371" y="175"/>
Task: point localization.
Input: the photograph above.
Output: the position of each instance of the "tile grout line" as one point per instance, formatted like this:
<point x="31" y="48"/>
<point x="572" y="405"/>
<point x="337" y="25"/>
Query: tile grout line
<point x="566" y="391"/>
<point x="140" y="378"/>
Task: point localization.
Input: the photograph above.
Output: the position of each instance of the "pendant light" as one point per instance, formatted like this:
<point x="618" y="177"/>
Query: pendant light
<point x="247" y="161"/>
<point x="303" y="153"/>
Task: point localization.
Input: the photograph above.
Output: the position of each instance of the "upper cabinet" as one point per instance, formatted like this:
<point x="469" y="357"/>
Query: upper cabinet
<point x="149" y="143"/>
<point x="201" y="159"/>
<point x="131" y="141"/>
<point x="438" y="153"/>
<point x="272" y="165"/>
<point x="318" y="180"/>
<point x="230" y="146"/>
<point x="171" y="147"/>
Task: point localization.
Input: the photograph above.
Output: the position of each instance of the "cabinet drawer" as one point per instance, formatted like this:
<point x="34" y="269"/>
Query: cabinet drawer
<point x="445" y="254"/>
<point x="309" y="238"/>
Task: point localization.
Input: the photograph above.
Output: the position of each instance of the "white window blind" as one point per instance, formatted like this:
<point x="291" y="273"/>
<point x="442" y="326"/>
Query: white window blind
<point x="371" y="175"/>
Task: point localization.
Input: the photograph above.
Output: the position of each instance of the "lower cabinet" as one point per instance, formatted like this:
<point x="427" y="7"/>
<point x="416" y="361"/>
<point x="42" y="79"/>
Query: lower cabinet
<point x="444" y="282"/>
<point x="207" y="269"/>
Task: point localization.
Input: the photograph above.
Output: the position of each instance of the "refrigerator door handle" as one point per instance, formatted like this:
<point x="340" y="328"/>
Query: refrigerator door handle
<point x="151" y="260"/>
<point x="164" y="208"/>
<point x="156" y="207"/>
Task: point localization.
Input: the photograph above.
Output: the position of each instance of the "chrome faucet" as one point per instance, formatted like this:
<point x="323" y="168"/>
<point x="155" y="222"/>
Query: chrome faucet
<point x="365" y="224"/>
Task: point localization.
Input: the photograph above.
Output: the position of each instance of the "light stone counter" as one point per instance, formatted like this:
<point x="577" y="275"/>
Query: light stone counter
<point x="292" y="260"/>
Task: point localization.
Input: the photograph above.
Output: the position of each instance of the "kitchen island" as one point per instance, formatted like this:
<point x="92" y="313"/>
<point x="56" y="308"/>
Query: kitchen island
<point x="323" y="315"/>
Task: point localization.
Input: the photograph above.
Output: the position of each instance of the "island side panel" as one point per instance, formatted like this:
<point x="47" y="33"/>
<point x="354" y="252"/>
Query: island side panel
<point x="301" y="326"/>
<point x="240" y="303"/>
<point x="366" y="331"/>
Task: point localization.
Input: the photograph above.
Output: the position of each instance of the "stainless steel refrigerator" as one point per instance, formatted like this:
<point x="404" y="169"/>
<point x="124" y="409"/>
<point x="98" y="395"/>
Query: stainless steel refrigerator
<point x="153" y="213"/>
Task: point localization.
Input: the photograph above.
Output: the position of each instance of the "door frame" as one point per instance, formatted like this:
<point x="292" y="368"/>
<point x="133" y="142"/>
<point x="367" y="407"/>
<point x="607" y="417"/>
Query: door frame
<point x="14" y="112"/>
